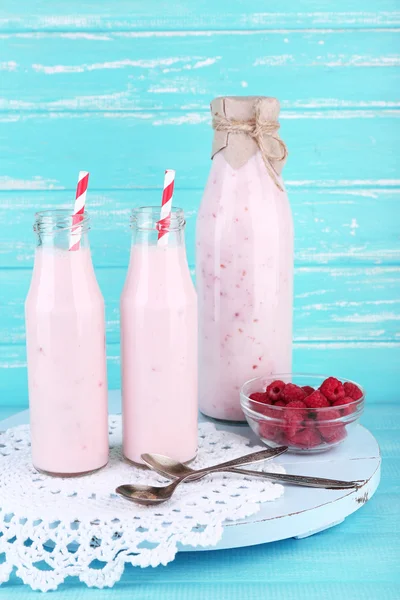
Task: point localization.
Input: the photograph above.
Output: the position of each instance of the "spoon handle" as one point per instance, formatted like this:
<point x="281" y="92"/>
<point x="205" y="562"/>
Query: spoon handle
<point x="301" y="480"/>
<point x="236" y="462"/>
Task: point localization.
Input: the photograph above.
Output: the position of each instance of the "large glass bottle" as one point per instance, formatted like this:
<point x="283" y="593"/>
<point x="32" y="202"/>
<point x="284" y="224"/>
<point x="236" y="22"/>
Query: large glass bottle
<point x="244" y="264"/>
<point x="65" y="335"/>
<point x="159" y="342"/>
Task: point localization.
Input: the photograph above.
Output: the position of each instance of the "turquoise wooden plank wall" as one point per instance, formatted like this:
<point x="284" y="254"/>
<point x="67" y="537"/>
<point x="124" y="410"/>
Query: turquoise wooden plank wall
<point x="122" y="89"/>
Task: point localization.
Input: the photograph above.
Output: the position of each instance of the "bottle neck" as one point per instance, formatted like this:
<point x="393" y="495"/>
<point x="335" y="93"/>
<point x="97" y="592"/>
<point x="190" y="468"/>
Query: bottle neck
<point x="150" y="229"/>
<point x="59" y="229"/>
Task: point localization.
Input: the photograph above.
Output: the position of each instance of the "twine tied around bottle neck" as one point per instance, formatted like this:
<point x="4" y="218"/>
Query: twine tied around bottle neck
<point x="257" y="128"/>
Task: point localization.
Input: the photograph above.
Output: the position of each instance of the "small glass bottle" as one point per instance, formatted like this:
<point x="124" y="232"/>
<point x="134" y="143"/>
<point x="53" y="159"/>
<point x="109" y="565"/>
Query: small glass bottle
<point x="65" y="335"/>
<point x="244" y="262"/>
<point x="159" y="343"/>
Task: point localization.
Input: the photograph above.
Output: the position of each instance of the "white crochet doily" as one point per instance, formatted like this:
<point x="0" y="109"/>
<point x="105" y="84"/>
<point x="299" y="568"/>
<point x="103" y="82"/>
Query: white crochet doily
<point x="52" y="528"/>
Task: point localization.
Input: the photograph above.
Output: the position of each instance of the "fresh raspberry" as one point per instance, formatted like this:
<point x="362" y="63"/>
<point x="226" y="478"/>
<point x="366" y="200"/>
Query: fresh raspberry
<point x="269" y="431"/>
<point x="316" y="400"/>
<point x="352" y="391"/>
<point x="260" y="402"/>
<point x="295" y="404"/>
<point x="328" y="415"/>
<point x="270" y="412"/>
<point x="275" y="389"/>
<point x="332" y="389"/>
<point x="308" y="389"/>
<point x="294" y="417"/>
<point x="333" y="432"/>
<point x="346" y="410"/>
<point x="310" y="418"/>
<point x="260" y="397"/>
<point x="307" y="438"/>
<point x="266" y="409"/>
<point x="292" y="426"/>
<point x="293" y="392"/>
<point x="280" y="403"/>
<point x="321" y="415"/>
<point x="330" y="426"/>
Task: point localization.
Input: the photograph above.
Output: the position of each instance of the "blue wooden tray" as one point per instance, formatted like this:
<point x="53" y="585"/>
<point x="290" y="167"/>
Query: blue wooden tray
<point x="300" y="512"/>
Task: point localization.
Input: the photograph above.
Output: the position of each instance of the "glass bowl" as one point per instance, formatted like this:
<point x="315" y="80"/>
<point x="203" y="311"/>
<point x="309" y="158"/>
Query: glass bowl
<point x="303" y="430"/>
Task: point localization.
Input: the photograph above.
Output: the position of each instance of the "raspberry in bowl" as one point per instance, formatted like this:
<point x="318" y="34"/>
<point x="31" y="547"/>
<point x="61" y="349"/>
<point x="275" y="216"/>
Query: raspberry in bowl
<point x="307" y="413"/>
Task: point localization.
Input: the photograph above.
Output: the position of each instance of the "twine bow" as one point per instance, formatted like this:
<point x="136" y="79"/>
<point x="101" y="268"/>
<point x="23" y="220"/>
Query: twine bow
<point x="258" y="129"/>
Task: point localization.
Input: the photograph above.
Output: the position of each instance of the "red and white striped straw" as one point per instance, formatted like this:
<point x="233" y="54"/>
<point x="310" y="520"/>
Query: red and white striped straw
<point x="79" y="209"/>
<point x="166" y="207"/>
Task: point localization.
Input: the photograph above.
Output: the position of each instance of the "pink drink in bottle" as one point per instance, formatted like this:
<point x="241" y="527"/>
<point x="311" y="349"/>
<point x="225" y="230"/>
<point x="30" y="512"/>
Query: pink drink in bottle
<point x="244" y="265"/>
<point x="159" y="342"/>
<point x="65" y="333"/>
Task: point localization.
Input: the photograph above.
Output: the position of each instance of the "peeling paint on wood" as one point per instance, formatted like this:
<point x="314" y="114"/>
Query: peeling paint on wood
<point x="318" y="154"/>
<point x="131" y="15"/>
<point x="177" y="70"/>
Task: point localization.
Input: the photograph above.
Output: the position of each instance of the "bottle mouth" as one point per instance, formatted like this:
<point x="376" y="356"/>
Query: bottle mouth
<point x="147" y="218"/>
<point x="57" y="220"/>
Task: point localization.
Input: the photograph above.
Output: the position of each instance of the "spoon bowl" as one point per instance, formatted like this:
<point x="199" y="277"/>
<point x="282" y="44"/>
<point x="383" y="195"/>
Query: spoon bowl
<point x="166" y="465"/>
<point x="146" y="494"/>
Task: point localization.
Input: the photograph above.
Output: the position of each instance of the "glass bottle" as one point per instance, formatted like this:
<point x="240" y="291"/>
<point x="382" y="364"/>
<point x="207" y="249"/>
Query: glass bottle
<point x="244" y="256"/>
<point x="159" y="343"/>
<point x="65" y="335"/>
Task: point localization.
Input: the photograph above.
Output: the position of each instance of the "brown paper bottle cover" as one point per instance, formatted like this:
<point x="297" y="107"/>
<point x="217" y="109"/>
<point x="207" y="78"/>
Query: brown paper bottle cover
<point x="245" y="125"/>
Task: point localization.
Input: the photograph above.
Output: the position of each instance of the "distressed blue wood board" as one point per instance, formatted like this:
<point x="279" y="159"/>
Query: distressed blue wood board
<point x="159" y="15"/>
<point x="113" y="71"/>
<point x="223" y="589"/>
<point x="332" y="226"/>
<point x="123" y="150"/>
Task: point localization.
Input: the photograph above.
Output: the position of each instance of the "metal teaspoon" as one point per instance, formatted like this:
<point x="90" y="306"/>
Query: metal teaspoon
<point x="147" y="494"/>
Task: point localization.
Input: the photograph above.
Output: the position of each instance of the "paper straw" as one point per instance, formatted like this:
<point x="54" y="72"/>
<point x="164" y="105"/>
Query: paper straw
<point x="166" y="207"/>
<point x="79" y="209"/>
